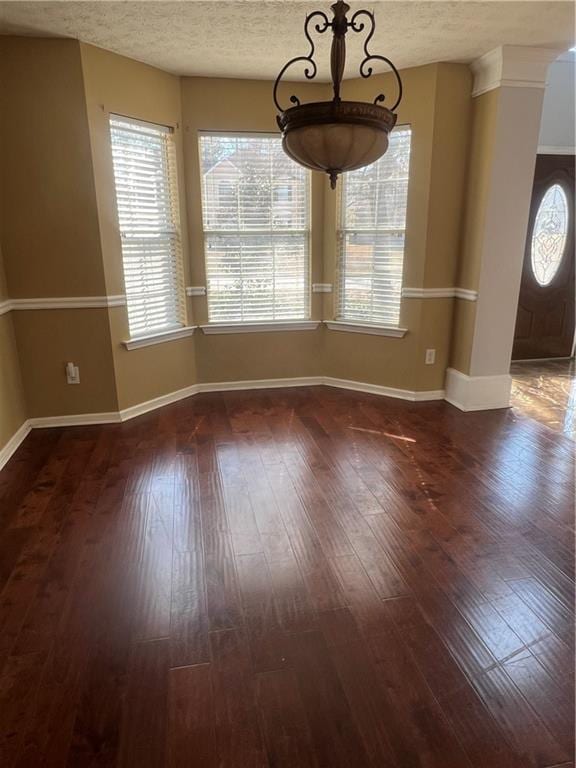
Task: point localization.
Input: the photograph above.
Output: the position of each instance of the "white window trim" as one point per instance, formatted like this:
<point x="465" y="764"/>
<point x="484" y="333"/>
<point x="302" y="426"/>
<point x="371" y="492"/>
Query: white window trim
<point x="263" y="327"/>
<point x="249" y="326"/>
<point x="159" y="338"/>
<point x="393" y="331"/>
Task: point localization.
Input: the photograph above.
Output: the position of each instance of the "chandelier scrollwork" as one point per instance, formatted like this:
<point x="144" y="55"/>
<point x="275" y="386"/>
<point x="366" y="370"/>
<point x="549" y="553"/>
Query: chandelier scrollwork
<point x="337" y="136"/>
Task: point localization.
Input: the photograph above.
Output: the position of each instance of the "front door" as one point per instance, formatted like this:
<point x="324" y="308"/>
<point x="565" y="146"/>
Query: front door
<point x="545" y="319"/>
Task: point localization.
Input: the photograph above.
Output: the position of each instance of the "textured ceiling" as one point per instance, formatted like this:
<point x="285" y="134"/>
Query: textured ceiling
<point x="253" y="38"/>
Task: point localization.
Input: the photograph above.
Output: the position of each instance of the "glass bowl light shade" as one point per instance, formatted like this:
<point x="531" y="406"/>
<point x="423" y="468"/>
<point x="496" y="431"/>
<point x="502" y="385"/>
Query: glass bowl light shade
<point x="336" y="136"/>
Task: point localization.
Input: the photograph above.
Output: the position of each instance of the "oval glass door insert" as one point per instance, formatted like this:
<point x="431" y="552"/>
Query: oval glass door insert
<point x="549" y="235"/>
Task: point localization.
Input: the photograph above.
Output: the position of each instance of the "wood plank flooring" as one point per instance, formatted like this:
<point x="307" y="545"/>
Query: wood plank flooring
<point x="304" y="578"/>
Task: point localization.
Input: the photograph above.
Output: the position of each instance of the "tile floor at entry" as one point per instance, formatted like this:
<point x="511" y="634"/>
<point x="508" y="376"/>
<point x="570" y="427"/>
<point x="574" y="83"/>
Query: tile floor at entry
<point x="546" y="391"/>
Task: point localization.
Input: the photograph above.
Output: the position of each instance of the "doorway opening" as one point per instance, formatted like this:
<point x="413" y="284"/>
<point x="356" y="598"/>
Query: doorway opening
<point x="542" y="368"/>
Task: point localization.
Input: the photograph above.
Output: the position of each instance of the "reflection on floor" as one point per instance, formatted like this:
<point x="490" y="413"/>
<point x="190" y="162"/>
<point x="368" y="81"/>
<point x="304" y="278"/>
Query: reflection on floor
<point x="546" y="391"/>
<point x="297" y="578"/>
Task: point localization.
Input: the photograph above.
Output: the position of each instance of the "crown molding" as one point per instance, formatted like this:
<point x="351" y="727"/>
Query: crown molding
<point x="515" y="66"/>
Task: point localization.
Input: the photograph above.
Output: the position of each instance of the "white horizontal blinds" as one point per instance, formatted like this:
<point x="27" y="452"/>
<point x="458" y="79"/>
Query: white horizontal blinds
<point x="371" y="237"/>
<point x="147" y="199"/>
<point x="255" y="203"/>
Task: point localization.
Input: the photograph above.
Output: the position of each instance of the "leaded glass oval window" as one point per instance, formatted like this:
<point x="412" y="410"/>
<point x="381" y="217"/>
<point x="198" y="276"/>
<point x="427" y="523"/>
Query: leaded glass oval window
<point x="549" y="234"/>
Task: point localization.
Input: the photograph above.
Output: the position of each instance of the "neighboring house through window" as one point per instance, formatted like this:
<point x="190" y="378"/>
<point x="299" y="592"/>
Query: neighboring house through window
<point x="255" y="203"/>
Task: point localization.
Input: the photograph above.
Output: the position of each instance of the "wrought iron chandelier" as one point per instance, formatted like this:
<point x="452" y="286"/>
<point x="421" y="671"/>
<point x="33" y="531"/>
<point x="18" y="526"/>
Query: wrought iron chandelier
<point x="337" y="136"/>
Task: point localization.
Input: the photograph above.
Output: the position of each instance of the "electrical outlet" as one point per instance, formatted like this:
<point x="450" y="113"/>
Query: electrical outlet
<point x="430" y="358"/>
<point x="72" y="373"/>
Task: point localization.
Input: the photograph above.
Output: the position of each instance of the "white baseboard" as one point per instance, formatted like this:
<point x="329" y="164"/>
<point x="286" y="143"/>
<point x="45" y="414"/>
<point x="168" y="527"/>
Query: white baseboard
<point x="377" y="389"/>
<point x="14" y="443"/>
<point x="157" y="402"/>
<point x="116" y="417"/>
<point x="75" y="420"/>
<point x="477" y="393"/>
<point x="230" y="386"/>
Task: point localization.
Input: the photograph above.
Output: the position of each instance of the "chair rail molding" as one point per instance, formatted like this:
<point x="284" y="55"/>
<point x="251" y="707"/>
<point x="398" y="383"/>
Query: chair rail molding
<point x="69" y="302"/>
<point x="439" y="293"/>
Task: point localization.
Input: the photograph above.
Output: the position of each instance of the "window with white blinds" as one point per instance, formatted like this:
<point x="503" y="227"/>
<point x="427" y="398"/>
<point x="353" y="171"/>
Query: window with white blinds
<point x="371" y="236"/>
<point x="147" y="198"/>
<point x="255" y="203"/>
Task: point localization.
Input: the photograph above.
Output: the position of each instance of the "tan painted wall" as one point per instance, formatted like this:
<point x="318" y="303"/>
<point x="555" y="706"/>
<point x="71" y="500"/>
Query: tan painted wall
<point x="482" y="136"/>
<point x="433" y="95"/>
<point x="75" y="218"/>
<point x="115" y="84"/>
<point x="50" y="235"/>
<point x="12" y="403"/>
<point x="436" y="105"/>
<point x="50" y="228"/>
<point x="246" y="106"/>
<point x="13" y="412"/>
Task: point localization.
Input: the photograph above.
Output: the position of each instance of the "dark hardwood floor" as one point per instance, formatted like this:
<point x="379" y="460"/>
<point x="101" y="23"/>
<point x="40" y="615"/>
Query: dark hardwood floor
<point x="306" y="578"/>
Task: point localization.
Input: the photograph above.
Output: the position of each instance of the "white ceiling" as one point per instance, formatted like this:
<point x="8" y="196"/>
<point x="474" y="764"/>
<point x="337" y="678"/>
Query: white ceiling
<point x="254" y="38"/>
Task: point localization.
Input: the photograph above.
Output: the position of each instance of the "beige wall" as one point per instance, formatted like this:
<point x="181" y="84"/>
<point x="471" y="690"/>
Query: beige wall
<point x="50" y="234"/>
<point x="433" y="95"/>
<point x="13" y="412"/>
<point x="436" y="105"/>
<point x="50" y="231"/>
<point x="246" y="106"/>
<point x="117" y="85"/>
<point x="12" y="403"/>
<point x="63" y="93"/>
<point x="482" y="137"/>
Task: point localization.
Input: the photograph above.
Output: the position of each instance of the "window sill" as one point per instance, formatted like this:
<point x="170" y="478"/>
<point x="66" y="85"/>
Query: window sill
<point x="373" y="330"/>
<point x="270" y="327"/>
<point x="159" y="338"/>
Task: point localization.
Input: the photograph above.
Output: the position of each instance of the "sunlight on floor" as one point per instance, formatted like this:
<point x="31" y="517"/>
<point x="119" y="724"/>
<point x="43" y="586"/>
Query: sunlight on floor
<point x="546" y="391"/>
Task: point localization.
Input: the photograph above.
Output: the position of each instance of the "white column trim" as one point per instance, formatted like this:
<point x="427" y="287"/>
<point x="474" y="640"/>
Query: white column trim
<point x="477" y="393"/>
<point x="547" y="150"/>
<point x="518" y="66"/>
